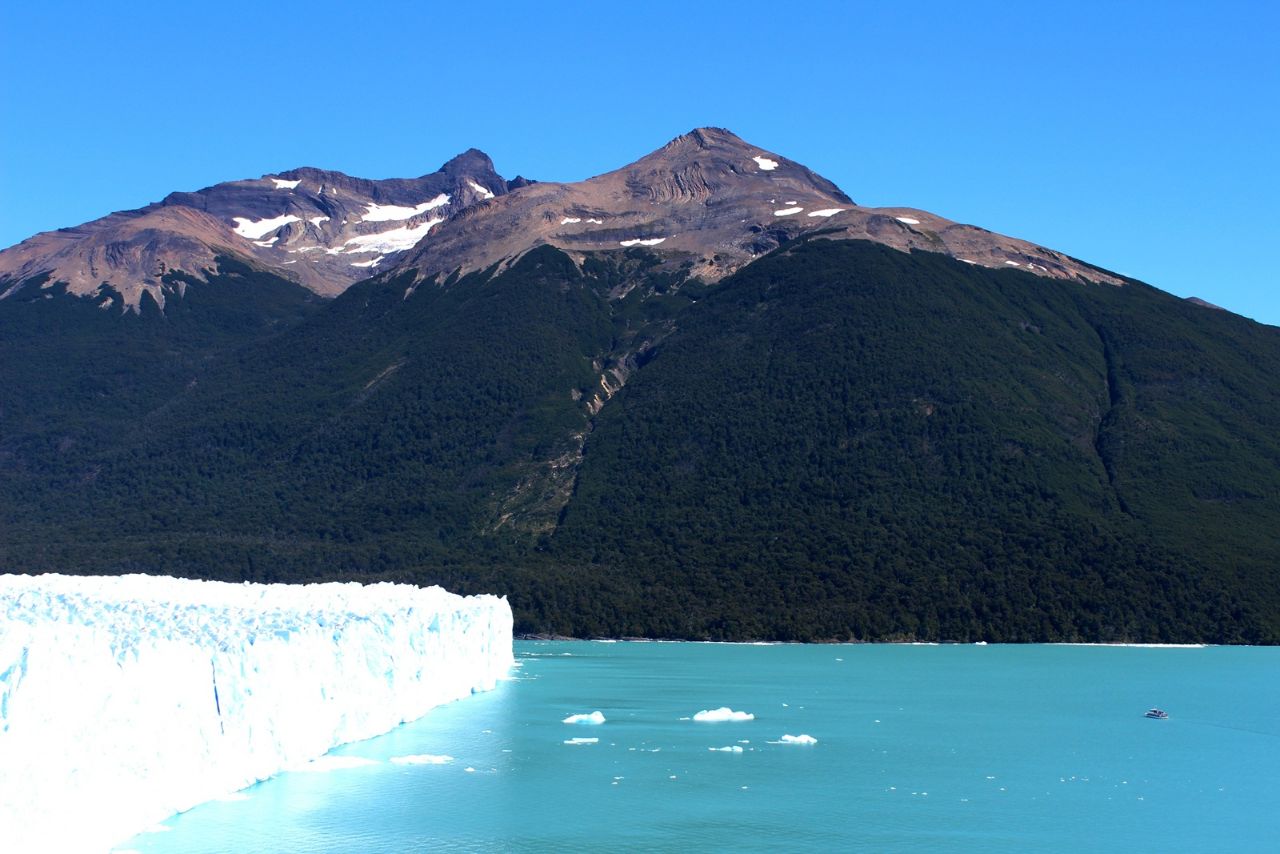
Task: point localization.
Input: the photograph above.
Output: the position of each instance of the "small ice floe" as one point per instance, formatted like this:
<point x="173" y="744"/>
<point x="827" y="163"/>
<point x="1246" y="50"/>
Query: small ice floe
<point x="325" y="764"/>
<point x="282" y="184"/>
<point x="483" y="191"/>
<point x="422" y="759"/>
<point x="797" y="739"/>
<point x="469" y="770"/>
<point x="570" y="220"/>
<point x="639" y="241"/>
<point x="787" y="211"/>
<point x="765" y="164"/>
<point x="731" y="748"/>
<point x="257" y="229"/>
<point x="722" y="714"/>
<point x="581" y="740"/>
<point x="908" y="220"/>
<point x="825" y="212"/>
<point x="593" y="718"/>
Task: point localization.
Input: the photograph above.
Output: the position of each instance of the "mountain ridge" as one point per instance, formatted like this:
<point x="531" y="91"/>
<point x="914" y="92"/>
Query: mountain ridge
<point x="707" y="201"/>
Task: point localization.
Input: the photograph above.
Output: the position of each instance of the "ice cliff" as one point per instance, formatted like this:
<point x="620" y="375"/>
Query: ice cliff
<point x="125" y="700"/>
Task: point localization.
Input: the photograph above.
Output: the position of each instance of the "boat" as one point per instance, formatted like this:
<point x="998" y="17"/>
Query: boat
<point x="1158" y="714"/>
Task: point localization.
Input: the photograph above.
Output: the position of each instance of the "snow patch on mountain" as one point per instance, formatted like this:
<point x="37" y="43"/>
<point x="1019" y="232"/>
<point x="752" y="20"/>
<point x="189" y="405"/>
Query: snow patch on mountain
<point x="483" y="191"/>
<point x="395" y="240"/>
<point x="124" y="700"/>
<point x="282" y="184"/>
<point x="765" y="164"/>
<point x="652" y="241"/>
<point x="256" y="229"/>
<point x="387" y="213"/>
<point x="787" y="211"/>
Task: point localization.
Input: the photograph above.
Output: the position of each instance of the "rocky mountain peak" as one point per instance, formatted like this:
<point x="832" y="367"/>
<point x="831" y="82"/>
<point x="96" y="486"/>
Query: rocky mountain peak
<point x="708" y="202"/>
<point x="320" y="228"/>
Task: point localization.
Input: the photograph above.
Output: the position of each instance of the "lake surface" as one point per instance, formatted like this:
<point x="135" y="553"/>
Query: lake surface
<point x="955" y="748"/>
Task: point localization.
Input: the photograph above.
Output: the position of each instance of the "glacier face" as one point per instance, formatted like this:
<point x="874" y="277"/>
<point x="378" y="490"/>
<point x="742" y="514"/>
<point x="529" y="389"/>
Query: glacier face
<point x="124" y="700"/>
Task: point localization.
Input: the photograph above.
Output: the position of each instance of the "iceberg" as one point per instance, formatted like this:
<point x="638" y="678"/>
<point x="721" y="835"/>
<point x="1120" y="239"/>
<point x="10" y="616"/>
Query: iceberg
<point x="124" y="700"/>
<point x="722" y="714"/>
<point x="595" y="717"/>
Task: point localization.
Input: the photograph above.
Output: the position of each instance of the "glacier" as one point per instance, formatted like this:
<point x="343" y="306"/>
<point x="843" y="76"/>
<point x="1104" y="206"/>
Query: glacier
<point x="124" y="700"/>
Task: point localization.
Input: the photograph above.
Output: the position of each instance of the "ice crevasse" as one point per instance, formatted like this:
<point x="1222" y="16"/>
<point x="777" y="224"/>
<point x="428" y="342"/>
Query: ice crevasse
<point x="126" y="699"/>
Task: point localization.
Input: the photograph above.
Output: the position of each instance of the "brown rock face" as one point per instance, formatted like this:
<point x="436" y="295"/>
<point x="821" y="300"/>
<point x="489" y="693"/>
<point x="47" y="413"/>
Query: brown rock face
<point x="322" y="229"/>
<point x="712" y="200"/>
<point x="706" y="200"/>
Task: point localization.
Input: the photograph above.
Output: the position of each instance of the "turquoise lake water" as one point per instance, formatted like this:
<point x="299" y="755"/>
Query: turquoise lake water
<point x="948" y="748"/>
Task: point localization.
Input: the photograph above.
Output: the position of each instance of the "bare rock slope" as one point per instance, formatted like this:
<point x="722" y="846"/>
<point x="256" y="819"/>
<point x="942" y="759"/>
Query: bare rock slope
<point x="715" y="202"/>
<point x="321" y="229"/>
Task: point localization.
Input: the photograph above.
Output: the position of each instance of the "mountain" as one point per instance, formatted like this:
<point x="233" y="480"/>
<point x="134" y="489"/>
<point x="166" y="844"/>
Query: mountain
<point x="320" y="229"/>
<point x="712" y="203"/>
<point x="634" y="427"/>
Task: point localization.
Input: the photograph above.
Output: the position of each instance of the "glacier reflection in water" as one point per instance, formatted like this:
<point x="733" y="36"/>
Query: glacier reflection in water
<point x="961" y="748"/>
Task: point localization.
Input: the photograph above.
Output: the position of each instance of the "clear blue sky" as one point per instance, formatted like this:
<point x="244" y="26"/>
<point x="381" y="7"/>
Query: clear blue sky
<point x="1144" y="137"/>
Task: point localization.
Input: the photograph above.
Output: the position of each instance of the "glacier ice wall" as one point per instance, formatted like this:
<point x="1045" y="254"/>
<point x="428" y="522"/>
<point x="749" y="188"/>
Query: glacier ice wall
<point x="124" y="700"/>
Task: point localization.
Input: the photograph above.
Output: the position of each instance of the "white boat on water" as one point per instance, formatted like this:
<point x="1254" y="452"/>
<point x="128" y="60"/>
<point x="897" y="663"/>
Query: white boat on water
<point x="1158" y="714"/>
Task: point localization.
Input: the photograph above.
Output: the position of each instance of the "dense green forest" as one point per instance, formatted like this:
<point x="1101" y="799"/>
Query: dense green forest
<point x="841" y="441"/>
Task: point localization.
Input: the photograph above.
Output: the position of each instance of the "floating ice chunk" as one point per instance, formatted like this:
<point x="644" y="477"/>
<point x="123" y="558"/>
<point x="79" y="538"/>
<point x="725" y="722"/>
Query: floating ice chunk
<point x="797" y="739"/>
<point x="908" y="220"/>
<point x="257" y="229"/>
<point x="484" y="191"/>
<point x="316" y="220"/>
<point x="581" y="741"/>
<point x="325" y="764"/>
<point x="570" y="220"/>
<point x="282" y="184"/>
<point x="422" y="759"/>
<point x="395" y="240"/>
<point x="372" y="263"/>
<point x="825" y="212"/>
<point x="652" y="241"/>
<point x="593" y="718"/>
<point x="765" y="164"/>
<point x="469" y="770"/>
<point x="787" y="211"/>
<point x="722" y="714"/>
<point x="386" y="213"/>
<point x="732" y="748"/>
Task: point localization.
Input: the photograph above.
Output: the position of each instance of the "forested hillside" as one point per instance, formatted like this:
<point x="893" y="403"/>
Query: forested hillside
<point x="840" y="441"/>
